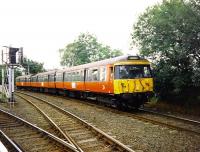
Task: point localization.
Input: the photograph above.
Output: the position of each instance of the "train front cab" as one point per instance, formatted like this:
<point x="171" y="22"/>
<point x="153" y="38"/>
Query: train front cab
<point x="133" y="82"/>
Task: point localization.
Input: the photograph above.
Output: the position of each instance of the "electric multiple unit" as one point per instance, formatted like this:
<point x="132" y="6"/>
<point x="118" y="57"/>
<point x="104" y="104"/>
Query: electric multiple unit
<point x="122" y="81"/>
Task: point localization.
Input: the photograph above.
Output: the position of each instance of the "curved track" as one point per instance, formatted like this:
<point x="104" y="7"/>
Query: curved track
<point x="80" y="133"/>
<point x="56" y="129"/>
<point x="29" y="137"/>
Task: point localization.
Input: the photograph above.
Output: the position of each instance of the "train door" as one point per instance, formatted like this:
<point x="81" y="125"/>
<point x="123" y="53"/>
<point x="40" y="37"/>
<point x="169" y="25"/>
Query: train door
<point x="110" y="79"/>
<point x="86" y="79"/>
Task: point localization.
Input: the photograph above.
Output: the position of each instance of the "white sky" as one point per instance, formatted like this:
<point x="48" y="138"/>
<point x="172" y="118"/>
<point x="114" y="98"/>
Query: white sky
<point x="44" y="26"/>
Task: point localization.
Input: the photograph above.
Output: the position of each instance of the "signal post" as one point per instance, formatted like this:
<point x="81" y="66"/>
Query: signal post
<point x="11" y="59"/>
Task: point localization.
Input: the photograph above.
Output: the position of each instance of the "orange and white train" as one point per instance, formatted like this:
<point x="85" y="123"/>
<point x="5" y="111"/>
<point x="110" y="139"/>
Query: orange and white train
<point x="121" y="81"/>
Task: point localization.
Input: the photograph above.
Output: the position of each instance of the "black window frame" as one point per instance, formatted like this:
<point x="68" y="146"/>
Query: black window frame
<point x="117" y="75"/>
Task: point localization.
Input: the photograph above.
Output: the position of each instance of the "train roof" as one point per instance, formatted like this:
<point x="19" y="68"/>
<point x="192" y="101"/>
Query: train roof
<point x="89" y="65"/>
<point x="46" y="73"/>
<point x="105" y="62"/>
<point x="24" y="76"/>
<point x="38" y="74"/>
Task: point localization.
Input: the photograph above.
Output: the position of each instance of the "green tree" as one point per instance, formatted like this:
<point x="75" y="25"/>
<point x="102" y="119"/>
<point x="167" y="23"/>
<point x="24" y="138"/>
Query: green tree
<point x="169" y="33"/>
<point x="33" y="66"/>
<point x="86" y="49"/>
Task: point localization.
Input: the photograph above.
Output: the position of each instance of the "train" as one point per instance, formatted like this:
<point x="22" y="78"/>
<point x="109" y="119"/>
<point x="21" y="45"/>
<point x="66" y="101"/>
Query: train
<point x="123" y="81"/>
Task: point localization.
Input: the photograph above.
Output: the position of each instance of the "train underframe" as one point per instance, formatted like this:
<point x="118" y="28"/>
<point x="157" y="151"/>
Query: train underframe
<point x="122" y="101"/>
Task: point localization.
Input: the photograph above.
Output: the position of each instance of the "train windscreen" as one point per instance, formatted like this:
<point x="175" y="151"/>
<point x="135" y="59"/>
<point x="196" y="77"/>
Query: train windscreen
<point x="132" y="71"/>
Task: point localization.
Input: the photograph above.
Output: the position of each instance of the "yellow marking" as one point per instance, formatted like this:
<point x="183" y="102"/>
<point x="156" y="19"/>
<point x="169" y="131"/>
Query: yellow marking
<point x="133" y="85"/>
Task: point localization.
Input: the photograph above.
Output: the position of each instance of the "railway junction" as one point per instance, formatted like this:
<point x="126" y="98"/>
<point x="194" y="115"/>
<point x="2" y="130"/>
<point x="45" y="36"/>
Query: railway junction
<point x="84" y="126"/>
<point x="61" y="93"/>
<point x="90" y="108"/>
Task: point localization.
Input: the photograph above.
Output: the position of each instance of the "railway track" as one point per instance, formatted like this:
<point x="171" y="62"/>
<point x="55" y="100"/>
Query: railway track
<point x="50" y="125"/>
<point x="82" y="135"/>
<point x="29" y="137"/>
<point x="170" y="116"/>
<point x="172" y="122"/>
<point x="8" y="143"/>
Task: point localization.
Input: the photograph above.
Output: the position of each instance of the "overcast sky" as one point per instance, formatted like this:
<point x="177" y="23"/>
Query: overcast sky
<point x="41" y="27"/>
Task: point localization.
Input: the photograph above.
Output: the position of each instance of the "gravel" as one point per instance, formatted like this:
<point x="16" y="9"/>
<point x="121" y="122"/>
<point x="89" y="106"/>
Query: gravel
<point x="139" y="135"/>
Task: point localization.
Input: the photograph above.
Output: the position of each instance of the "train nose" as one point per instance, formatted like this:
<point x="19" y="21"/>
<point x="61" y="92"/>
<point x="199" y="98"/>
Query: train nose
<point x="133" y="85"/>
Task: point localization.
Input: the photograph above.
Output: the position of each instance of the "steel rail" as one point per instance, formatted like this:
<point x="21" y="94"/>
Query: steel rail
<point x="171" y="116"/>
<point x="164" y="124"/>
<point x="39" y="130"/>
<point x="65" y="135"/>
<point x="118" y="145"/>
<point x="7" y="140"/>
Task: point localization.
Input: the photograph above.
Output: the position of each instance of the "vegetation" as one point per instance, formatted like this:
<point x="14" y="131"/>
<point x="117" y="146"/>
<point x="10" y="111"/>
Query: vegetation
<point x="34" y="67"/>
<point x="169" y="33"/>
<point x="86" y="49"/>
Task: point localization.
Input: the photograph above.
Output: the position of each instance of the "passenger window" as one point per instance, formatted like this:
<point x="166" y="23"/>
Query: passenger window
<point x="88" y="75"/>
<point x="103" y="74"/>
<point x="77" y="76"/>
<point x="58" y="77"/>
<point x="95" y="75"/>
<point x="46" y="78"/>
<point x="69" y="76"/>
<point x="73" y="76"/>
<point x="51" y="78"/>
<point x="66" y="75"/>
<point x="82" y="75"/>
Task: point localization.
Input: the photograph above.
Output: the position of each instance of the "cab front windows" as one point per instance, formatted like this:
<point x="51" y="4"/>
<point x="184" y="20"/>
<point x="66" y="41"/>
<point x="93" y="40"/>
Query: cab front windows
<point x="132" y="71"/>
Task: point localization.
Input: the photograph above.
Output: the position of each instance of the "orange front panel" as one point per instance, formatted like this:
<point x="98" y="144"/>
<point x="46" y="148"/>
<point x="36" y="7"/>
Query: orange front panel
<point x="59" y="85"/>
